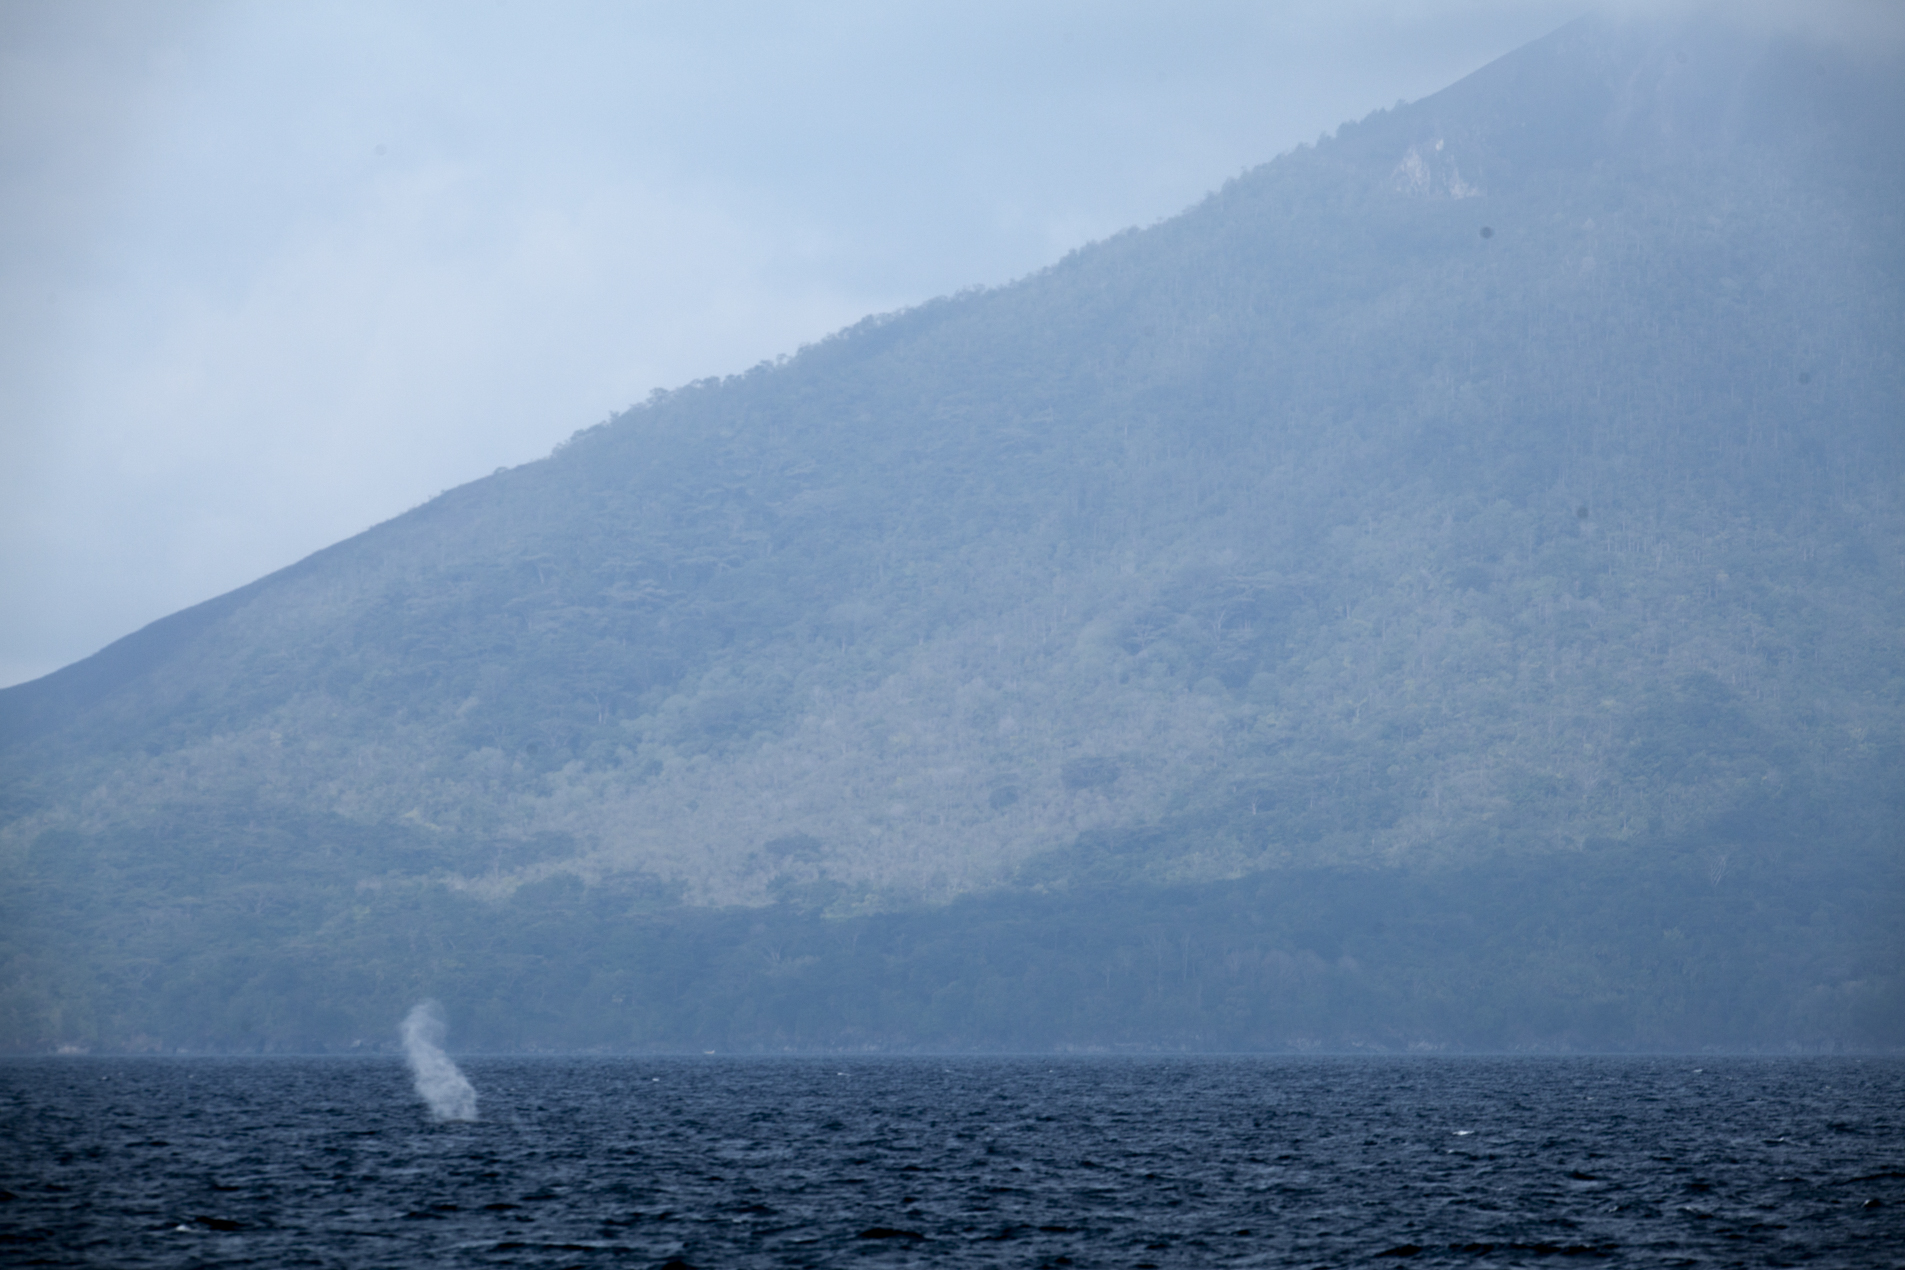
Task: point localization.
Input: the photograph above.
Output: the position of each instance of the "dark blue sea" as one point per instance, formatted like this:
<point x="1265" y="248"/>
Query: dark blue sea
<point x="1123" y="1162"/>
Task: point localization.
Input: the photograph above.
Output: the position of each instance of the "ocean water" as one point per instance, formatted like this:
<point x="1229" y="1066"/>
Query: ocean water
<point x="1029" y="1162"/>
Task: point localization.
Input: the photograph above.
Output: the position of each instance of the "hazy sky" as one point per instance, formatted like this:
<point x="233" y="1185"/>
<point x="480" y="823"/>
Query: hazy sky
<point x="275" y="272"/>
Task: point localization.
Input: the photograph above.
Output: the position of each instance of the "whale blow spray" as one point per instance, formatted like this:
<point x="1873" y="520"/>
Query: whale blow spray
<point x="439" y="1083"/>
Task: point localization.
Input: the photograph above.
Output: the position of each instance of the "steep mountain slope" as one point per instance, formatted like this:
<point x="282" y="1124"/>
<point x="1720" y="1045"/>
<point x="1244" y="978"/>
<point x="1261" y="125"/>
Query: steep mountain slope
<point x="1509" y="482"/>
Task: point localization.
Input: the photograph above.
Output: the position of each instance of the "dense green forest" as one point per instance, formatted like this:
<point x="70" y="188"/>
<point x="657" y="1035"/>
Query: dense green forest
<point x="1445" y="588"/>
<point x="1619" y="947"/>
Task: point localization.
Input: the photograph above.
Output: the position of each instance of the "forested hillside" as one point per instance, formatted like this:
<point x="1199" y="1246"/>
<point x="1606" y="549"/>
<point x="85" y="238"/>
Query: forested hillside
<point x="1447" y="587"/>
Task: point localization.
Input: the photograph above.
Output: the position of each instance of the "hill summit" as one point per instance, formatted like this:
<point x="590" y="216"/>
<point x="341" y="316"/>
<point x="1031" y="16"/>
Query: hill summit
<point x="1494" y="505"/>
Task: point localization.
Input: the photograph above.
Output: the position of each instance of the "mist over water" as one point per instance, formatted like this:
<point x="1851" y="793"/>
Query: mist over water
<point x="439" y="1083"/>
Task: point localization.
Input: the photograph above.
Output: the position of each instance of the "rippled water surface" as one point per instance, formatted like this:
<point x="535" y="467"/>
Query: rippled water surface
<point x="944" y="1162"/>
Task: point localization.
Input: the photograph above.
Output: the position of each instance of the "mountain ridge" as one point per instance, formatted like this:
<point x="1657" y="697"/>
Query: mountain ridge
<point x="1511" y="477"/>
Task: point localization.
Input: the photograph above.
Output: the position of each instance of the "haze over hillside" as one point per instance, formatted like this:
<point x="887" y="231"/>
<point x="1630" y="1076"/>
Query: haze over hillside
<point x="1492" y="510"/>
